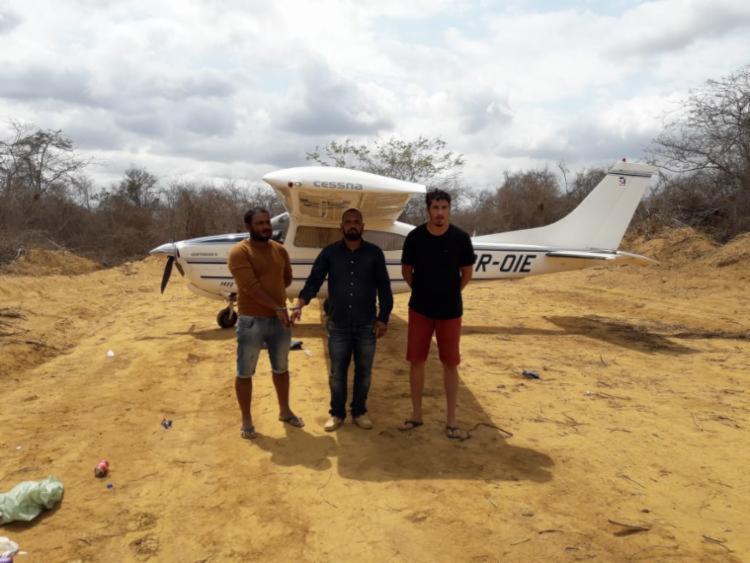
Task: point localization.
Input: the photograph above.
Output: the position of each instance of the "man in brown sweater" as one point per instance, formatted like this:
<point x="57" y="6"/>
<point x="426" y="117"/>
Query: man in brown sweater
<point x="262" y="272"/>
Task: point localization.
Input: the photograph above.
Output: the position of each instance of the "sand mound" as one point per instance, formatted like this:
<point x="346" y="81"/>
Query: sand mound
<point x="734" y="253"/>
<point x="674" y="246"/>
<point x="40" y="262"/>
<point x="632" y="445"/>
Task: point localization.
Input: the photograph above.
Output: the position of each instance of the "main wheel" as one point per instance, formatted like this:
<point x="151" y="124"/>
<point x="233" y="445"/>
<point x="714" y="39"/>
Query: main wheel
<point x="227" y="318"/>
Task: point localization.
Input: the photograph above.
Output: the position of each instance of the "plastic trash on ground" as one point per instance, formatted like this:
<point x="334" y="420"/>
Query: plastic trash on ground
<point x="8" y="548"/>
<point x="26" y="500"/>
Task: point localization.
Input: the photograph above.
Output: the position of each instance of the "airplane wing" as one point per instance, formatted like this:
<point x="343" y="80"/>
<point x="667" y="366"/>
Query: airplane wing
<point x="619" y="256"/>
<point x="320" y="194"/>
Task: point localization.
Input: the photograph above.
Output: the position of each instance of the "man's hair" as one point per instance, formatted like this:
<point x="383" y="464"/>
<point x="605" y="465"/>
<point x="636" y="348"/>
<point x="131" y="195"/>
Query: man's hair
<point x="435" y="195"/>
<point x="250" y="213"/>
<point x="352" y="210"/>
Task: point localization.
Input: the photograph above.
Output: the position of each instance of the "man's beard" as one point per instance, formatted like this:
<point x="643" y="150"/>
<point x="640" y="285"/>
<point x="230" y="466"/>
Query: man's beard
<point x="352" y="235"/>
<point x="259" y="237"/>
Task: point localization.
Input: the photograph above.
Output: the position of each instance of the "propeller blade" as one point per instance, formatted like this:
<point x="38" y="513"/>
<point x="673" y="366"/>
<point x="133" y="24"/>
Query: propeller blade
<point x="167" y="273"/>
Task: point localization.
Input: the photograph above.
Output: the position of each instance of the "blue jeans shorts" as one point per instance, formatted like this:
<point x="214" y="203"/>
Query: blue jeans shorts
<point x="252" y="333"/>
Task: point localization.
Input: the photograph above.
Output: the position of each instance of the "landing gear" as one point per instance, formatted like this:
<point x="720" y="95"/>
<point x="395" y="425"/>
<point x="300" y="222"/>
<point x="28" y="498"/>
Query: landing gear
<point x="227" y="317"/>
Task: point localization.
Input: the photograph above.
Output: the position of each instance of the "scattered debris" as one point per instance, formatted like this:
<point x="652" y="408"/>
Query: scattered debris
<point x="629" y="528"/>
<point x="166" y="423"/>
<point x="488" y="425"/>
<point x="8" y="549"/>
<point x="716" y="541"/>
<point x="26" y="500"/>
<point x="623" y="476"/>
<point x="528" y="374"/>
<point x="101" y="469"/>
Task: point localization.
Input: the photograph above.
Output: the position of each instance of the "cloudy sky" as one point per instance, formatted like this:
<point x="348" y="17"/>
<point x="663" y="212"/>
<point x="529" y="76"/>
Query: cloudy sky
<point x="234" y="88"/>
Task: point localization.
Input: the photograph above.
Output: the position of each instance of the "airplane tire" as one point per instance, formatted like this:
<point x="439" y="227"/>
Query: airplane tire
<point x="227" y="318"/>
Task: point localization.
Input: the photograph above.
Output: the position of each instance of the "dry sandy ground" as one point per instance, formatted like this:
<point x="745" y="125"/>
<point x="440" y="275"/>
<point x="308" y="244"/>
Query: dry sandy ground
<point x="633" y="445"/>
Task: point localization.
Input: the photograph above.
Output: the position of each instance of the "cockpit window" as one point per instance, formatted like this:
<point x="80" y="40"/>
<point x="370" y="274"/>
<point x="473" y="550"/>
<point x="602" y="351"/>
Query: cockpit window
<point x="319" y="237"/>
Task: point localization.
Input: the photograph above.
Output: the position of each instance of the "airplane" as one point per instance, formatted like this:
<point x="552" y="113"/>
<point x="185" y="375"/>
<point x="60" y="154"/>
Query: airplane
<point x="316" y="196"/>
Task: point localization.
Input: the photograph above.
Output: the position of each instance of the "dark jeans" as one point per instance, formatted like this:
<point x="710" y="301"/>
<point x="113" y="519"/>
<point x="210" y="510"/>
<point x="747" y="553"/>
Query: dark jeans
<point x="343" y="342"/>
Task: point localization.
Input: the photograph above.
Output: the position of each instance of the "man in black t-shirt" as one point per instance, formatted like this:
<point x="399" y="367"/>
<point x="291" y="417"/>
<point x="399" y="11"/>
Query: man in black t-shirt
<point x="437" y="263"/>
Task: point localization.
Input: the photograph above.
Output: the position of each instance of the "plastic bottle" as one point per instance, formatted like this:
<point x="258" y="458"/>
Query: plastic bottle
<point x="101" y="469"/>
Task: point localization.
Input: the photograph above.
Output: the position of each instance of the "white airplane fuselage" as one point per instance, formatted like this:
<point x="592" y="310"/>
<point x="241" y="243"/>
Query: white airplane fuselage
<point x="204" y="262"/>
<point x="315" y="198"/>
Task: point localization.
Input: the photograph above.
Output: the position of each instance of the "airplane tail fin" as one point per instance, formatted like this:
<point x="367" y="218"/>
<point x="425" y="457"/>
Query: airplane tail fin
<point x="599" y="222"/>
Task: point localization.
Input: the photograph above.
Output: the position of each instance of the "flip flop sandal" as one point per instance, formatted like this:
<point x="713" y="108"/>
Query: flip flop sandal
<point x="409" y="424"/>
<point x="248" y="432"/>
<point x="455" y="433"/>
<point x="293" y="420"/>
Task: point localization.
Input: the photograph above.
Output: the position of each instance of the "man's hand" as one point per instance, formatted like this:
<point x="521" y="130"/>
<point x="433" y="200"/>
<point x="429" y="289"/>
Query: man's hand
<point x="296" y="314"/>
<point x="297" y="310"/>
<point x="380" y="329"/>
<point x="283" y="316"/>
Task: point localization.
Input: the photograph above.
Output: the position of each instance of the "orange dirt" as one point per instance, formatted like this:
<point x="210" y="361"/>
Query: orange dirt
<point x="633" y="445"/>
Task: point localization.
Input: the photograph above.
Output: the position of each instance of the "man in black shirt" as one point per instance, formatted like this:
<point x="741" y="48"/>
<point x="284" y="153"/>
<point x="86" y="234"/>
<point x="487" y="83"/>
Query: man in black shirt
<point x="356" y="272"/>
<point x="437" y="263"/>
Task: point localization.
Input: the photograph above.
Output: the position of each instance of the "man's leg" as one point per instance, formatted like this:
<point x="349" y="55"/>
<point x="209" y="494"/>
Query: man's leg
<point x="448" y="334"/>
<point x="340" y="354"/>
<point x="249" y="341"/>
<point x="416" y="384"/>
<point x="450" y="381"/>
<point x="278" y="339"/>
<point x="417" y="348"/>
<point x="281" y="383"/>
<point x="243" y="387"/>
<point x="364" y="354"/>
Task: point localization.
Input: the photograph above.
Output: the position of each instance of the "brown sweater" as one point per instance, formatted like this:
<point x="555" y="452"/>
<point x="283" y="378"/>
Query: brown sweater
<point x="265" y="265"/>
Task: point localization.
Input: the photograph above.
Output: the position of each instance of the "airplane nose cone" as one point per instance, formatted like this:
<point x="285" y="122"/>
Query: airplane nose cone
<point x="168" y="248"/>
<point x="278" y="178"/>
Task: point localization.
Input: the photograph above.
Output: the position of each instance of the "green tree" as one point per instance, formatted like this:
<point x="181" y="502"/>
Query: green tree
<point x="138" y="186"/>
<point x="424" y="161"/>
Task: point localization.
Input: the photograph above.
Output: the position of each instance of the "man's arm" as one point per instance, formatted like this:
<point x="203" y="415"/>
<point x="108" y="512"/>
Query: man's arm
<point x="407" y="271"/>
<point x="407" y="259"/>
<point x="385" y="295"/>
<point x="466" y="273"/>
<point x="287" y="268"/>
<point x="467" y="261"/>
<point x="314" y="281"/>
<point x="248" y="284"/>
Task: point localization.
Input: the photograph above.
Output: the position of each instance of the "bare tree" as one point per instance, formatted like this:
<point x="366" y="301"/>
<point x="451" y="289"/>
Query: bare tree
<point x="715" y="132"/>
<point x="713" y="140"/>
<point x="37" y="159"/>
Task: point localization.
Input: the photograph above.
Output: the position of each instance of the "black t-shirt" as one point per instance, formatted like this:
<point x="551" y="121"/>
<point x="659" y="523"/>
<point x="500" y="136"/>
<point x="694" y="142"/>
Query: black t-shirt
<point x="436" y="287"/>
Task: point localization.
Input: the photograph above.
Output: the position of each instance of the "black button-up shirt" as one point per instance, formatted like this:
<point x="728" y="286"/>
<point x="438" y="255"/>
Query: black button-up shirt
<point x="354" y="277"/>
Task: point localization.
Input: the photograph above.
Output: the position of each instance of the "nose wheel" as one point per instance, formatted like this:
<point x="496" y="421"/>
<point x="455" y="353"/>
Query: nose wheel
<point x="227" y="317"/>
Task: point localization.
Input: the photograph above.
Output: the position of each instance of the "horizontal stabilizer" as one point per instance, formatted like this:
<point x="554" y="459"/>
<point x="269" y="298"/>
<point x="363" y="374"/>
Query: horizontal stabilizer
<point x="619" y="256"/>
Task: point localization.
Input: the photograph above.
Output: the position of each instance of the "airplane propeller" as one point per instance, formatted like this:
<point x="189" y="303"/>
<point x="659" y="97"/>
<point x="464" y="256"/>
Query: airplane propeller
<point x="171" y="251"/>
<point x="167" y="273"/>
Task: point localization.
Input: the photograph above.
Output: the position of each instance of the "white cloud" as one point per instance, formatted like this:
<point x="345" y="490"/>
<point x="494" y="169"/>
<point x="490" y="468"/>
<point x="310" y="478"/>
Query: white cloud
<point x="211" y="89"/>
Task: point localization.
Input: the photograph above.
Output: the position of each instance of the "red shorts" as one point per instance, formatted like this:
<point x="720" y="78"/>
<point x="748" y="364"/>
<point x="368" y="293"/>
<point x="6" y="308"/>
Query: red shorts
<point x="447" y="332"/>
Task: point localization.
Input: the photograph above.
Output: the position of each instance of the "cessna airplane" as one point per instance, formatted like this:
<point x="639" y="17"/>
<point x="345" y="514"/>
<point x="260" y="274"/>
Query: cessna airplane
<point x="315" y="197"/>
